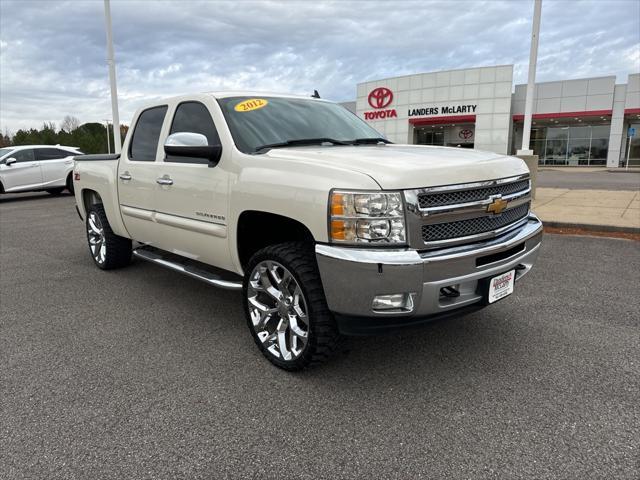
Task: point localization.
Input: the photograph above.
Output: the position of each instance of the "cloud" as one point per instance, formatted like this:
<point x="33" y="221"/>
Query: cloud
<point x="52" y="54"/>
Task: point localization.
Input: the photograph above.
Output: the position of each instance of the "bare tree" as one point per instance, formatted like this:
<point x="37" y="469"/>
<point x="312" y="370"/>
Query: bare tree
<point x="70" y="123"/>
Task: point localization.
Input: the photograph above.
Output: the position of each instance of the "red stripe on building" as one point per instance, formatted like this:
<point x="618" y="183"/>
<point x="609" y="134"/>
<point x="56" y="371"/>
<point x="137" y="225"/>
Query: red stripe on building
<point x="441" y="120"/>
<point x="543" y="116"/>
<point x="632" y="111"/>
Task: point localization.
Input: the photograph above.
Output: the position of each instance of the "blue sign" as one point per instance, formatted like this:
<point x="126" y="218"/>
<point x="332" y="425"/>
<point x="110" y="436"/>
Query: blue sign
<point x="631" y="132"/>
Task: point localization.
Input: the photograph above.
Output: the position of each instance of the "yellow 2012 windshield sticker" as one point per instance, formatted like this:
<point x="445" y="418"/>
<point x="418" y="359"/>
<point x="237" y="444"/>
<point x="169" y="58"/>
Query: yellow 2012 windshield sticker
<point x="251" y="104"/>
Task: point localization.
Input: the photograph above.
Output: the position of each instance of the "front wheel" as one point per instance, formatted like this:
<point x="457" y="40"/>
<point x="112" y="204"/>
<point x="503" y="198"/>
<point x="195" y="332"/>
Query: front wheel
<point x="107" y="249"/>
<point x="286" y="309"/>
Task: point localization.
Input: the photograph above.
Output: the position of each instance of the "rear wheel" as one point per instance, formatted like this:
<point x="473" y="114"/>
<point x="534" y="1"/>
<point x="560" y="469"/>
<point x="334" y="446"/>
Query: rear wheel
<point x="286" y="309"/>
<point x="107" y="249"/>
<point x="55" y="191"/>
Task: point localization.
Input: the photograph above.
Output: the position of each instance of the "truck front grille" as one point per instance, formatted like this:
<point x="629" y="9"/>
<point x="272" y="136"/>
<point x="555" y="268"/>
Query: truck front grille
<point x="473" y="226"/>
<point x="449" y="215"/>
<point x="436" y="199"/>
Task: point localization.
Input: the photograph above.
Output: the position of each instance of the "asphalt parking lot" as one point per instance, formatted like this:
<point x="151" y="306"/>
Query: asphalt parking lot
<point x="143" y="373"/>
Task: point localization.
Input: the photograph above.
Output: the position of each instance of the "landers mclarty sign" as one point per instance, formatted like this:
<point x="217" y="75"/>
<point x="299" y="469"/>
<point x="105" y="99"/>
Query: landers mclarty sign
<point x="443" y="110"/>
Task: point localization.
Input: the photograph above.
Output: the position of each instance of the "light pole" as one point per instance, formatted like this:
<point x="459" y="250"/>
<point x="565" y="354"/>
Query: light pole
<point x="533" y="59"/>
<point x="106" y="120"/>
<point x="112" y="80"/>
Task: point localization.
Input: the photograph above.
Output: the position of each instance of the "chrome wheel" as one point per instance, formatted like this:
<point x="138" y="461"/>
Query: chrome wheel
<point x="95" y="234"/>
<point x="278" y="310"/>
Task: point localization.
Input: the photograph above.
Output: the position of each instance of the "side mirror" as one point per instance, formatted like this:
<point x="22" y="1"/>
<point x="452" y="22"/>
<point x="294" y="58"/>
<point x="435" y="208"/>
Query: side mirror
<point x="195" y="145"/>
<point x="9" y="161"/>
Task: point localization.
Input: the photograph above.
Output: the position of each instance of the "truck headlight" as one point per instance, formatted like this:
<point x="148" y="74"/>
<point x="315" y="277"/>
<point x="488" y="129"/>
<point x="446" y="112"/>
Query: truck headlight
<point x="366" y="217"/>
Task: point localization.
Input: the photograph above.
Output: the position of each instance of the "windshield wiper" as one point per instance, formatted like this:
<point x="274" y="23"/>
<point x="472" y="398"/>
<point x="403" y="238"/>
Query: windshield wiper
<point x="369" y="141"/>
<point x="301" y="141"/>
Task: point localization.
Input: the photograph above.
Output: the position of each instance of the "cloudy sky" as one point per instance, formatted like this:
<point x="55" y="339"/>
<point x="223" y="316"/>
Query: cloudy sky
<point x="52" y="53"/>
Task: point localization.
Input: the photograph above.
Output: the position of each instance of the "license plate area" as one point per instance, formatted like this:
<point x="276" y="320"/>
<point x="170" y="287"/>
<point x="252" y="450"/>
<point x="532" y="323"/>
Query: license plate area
<point x="498" y="287"/>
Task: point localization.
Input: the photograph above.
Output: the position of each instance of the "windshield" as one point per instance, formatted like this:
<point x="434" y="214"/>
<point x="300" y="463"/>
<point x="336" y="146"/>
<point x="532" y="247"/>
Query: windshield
<point x="266" y="121"/>
<point x="4" y="151"/>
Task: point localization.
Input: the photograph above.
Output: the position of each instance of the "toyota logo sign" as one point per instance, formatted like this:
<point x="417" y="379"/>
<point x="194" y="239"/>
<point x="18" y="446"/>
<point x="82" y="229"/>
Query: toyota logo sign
<point x="380" y="97"/>
<point x="465" y="134"/>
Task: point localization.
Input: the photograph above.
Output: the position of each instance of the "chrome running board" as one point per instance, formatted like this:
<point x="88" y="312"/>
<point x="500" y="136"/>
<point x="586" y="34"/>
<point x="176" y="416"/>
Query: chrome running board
<point x="182" y="265"/>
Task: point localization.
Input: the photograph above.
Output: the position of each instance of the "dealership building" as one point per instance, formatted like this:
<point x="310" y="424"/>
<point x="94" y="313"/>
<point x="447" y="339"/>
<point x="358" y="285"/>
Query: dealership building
<point x="587" y="121"/>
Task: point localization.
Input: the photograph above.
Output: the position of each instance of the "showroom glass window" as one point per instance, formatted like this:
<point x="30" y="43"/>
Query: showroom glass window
<point x="634" y="151"/>
<point x="537" y="143"/>
<point x="571" y="145"/>
<point x="424" y="136"/>
<point x="193" y="117"/>
<point x="599" y="144"/>
<point x="144" y="143"/>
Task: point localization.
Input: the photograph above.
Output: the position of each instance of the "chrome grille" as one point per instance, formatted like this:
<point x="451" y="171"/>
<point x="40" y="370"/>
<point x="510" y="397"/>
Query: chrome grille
<point x="473" y="226"/>
<point x="436" y="199"/>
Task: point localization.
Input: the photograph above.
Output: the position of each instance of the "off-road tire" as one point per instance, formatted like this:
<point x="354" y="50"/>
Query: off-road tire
<point x="117" y="249"/>
<point x="323" y="336"/>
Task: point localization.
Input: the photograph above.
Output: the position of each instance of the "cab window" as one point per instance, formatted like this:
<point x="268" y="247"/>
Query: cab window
<point x="193" y="117"/>
<point x="144" y="142"/>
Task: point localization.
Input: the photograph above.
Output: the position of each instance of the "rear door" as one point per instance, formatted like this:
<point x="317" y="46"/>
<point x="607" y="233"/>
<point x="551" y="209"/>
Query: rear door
<point x="24" y="174"/>
<point x="192" y="209"/>
<point x="137" y="175"/>
<point x="55" y="165"/>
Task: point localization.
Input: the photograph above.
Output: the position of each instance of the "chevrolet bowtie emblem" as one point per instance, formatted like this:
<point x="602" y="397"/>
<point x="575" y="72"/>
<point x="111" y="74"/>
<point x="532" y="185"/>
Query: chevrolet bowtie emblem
<point x="497" y="206"/>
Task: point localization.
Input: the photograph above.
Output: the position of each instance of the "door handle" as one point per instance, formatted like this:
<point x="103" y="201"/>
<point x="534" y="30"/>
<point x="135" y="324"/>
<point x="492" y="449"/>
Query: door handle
<point x="165" y="180"/>
<point x="125" y="176"/>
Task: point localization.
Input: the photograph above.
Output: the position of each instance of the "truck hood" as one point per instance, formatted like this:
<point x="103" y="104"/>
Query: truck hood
<point x="408" y="166"/>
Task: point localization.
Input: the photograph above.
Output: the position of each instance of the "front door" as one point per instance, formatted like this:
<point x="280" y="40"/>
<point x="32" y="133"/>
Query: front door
<point x="138" y="174"/>
<point x="24" y="174"/>
<point x="192" y="203"/>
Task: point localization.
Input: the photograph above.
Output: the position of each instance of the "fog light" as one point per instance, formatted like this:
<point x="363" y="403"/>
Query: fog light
<point x="395" y="301"/>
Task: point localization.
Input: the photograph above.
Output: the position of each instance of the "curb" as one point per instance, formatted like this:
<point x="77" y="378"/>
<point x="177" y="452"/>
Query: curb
<point x="592" y="227"/>
<point x="624" y="170"/>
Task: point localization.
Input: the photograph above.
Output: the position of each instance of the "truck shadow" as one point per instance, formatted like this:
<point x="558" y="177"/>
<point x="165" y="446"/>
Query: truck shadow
<point x="484" y="339"/>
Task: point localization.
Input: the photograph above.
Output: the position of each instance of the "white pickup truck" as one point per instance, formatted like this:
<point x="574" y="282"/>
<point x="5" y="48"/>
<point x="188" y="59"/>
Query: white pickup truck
<point x="327" y="228"/>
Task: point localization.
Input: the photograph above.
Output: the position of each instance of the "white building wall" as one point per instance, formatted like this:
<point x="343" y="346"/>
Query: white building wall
<point x="617" y="136"/>
<point x="632" y="102"/>
<point x="568" y="96"/>
<point x="632" y="99"/>
<point x="488" y="88"/>
<point x="351" y="106"/>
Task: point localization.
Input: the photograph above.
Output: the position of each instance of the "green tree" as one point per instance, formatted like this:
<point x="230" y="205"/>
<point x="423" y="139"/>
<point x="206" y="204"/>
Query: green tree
<point x="90" y="137"/>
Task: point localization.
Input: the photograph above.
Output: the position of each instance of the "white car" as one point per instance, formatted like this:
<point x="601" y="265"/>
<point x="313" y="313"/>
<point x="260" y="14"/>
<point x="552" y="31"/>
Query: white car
<point x="28" y="168"/>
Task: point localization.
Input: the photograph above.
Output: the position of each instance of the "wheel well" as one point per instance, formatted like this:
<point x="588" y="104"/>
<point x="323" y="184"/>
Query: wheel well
<point x="90" y="197"/>
<point x="257" y="230"/>
<point x="1" y="188"/>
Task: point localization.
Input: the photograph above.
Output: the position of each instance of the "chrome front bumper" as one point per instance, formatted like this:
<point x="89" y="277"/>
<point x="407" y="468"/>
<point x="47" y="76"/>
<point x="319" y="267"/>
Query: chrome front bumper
<point x="352" y="277"/>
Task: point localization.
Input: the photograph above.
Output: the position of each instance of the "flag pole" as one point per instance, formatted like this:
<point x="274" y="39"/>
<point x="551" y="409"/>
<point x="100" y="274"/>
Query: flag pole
<point x="533" y="59"/>
<point x="112" y="79"/>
